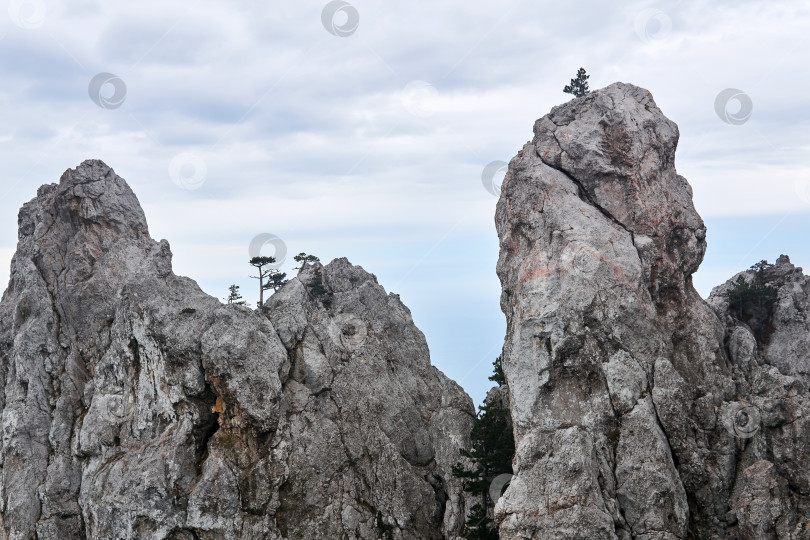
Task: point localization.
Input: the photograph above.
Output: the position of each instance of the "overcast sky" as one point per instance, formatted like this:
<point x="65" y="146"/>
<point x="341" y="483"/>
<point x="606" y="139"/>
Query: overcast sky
<point x="362" y="129"/>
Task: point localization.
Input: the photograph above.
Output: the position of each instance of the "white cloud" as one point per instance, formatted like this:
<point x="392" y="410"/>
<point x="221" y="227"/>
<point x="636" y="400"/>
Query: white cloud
<point x="306" y="134"/>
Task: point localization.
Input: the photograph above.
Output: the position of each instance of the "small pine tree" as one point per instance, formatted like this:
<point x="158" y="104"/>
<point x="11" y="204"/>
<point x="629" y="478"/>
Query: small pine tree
<point x="305" y="259"/>
<point x="259" y="263"/>
<point x="318" y="289"/>
<point x="746" y="298"/>
<point x="761" y="266"/>
<point x="234" y="297"/>
<point x="493" y="448"/>
<point x="579" y="85"/>
<point x="497" y="373"/>
<point x="316" y="285"/>
<point x="275" y="280"/>
<point x="479" y="526"/>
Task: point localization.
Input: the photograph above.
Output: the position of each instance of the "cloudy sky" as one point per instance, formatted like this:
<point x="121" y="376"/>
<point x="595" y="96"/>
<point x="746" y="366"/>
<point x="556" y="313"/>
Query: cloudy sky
<point x="362" y="130"/>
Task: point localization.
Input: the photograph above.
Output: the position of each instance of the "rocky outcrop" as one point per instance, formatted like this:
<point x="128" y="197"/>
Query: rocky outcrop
<point x="374" y="428"/>
<point x="639" y="410"/>
<point x="770" y="359"/>
<point x="136" y="406"/>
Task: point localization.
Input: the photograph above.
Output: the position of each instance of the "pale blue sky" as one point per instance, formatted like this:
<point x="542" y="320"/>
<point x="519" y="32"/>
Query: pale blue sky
<point x="371" y="146"/>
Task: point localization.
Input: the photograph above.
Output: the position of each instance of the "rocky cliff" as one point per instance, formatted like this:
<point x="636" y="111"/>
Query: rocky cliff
<point x="136" y="406"/>
<point x="640" y="410"/>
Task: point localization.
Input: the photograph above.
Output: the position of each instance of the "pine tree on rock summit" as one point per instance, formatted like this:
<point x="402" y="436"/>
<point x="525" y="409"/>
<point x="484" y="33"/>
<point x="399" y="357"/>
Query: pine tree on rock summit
<point x="234" y="297"/>
<point x="579" y="85"/>
<point x="304" y="259"/>
<point x="260" y="263"/>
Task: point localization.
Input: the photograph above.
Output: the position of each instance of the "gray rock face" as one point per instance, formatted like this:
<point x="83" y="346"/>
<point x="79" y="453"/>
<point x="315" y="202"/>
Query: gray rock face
<point x="769" y="360"/>
<point x="136" y="406"/>
<point x="380" y="428"/>
<point x="127" y="415"/>
<point x="630" y="395"/>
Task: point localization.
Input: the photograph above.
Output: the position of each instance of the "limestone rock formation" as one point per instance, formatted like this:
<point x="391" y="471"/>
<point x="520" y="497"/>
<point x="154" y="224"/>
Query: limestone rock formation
<point x="136" y="406"/>
<point x="639" y="409"/>
<point x="133" y="405"/>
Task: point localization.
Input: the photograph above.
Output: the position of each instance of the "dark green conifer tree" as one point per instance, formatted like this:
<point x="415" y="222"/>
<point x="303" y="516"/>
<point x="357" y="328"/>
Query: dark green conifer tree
<point x="579" y="85"/>
<point x="234" y="297"/>
<point x="260" y="263"/>
<point x="752" y="301"/>
<point x="493" y="447"/>
<point x="497" y="375"/>
<point x="316" y="286"/>
<point x="304" y="259"/>
<point x="275" y="280"/>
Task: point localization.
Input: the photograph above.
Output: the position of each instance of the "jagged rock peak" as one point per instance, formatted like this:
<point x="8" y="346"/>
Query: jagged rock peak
<point x="619" y="149"/>
<point x="88" y="171"/>
<point x="136" y="406"/>
<point x="638" y="410"/>
<point x="93" y="193"/>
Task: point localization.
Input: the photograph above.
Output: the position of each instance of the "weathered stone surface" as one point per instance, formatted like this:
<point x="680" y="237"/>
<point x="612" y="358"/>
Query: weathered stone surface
<point x="761" y="503"/>
<point x="372" y="410"/>
<point x="127" y="415"/>
<point x="625" y="386"/>
<point x="772" y="411"/>
<point x="136" y="406"/>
